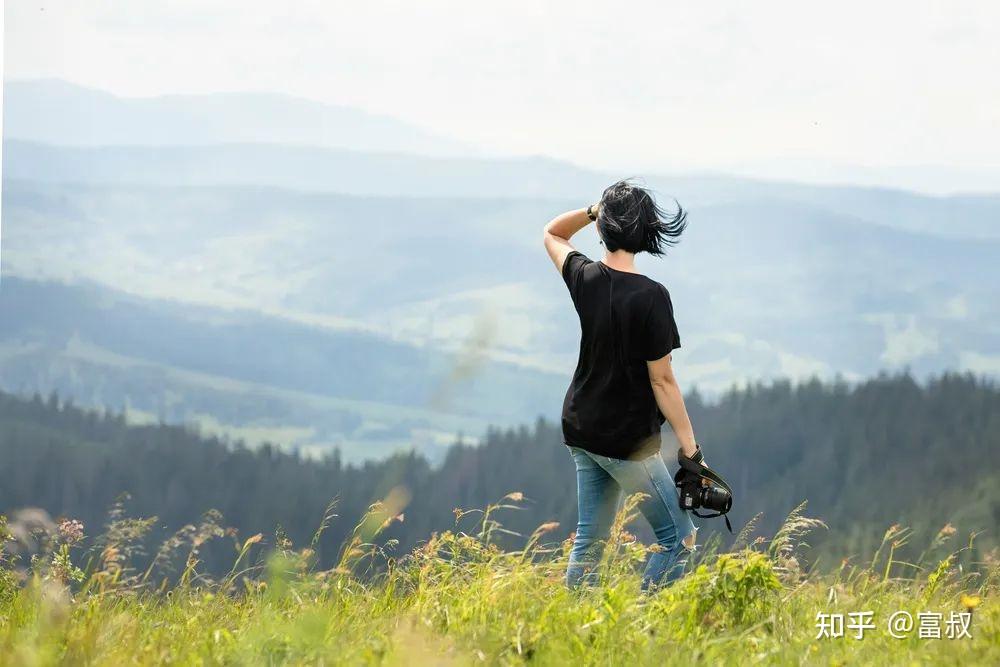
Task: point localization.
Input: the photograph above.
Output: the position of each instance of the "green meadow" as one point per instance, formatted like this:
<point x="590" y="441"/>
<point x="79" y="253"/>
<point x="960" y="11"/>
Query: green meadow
<point x="461" y="598"/>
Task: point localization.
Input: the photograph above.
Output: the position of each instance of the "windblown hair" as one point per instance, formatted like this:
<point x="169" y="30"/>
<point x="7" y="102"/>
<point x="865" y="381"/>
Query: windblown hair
<point x="631" y="220"/>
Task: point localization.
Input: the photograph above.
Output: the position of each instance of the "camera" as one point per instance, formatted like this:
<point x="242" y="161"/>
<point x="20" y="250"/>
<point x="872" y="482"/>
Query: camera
<point x="700" y="487"/>
<point x="695" y="495"/>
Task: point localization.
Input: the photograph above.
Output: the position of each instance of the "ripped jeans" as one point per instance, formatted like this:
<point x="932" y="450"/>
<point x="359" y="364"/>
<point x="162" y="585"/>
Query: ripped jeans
<point x="600" y="481"/>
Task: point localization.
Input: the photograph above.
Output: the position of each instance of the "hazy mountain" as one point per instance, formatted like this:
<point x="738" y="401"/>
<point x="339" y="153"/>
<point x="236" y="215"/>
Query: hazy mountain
<point x="762" y="287"/>
<point x="301" y="168"/>
<point x="353" y="172"/>
<point x="59" y="112"/>
<point x="254" y="376"/>
<point x="941" y="179"/>
<point x="422" y="273"/>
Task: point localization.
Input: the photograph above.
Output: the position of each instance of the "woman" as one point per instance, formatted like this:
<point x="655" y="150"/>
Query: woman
<point x="624" y="386"/>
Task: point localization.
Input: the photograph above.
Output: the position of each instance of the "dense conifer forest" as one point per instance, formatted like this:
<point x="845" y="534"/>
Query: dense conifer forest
<point x="865" y="456"/>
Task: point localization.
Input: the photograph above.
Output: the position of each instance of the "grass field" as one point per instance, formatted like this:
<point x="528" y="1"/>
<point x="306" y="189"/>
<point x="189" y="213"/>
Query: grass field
<point x="461" y="599"/>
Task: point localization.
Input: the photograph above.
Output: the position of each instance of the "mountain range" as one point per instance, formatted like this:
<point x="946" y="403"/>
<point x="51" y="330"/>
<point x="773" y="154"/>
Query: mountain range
<point x="58" y="112"/>
<point x="435" y="249"/>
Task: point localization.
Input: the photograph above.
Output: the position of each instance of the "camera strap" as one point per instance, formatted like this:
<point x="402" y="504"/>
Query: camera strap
<point x="703" y="471"/>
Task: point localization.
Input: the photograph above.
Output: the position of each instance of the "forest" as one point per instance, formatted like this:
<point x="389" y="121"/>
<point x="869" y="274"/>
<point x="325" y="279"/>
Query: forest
<point x="886" y="451"/>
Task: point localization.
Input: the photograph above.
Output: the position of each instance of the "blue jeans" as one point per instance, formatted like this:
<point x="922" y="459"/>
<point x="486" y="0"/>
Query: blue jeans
<point x="600" y="481"/>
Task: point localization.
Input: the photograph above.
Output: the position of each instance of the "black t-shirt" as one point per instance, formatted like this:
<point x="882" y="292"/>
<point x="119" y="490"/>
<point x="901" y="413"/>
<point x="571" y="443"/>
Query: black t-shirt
<point x="626" y="319"/>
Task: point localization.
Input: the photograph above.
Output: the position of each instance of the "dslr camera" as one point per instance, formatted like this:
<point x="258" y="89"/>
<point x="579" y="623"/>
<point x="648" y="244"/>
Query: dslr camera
<point x="700" y="487"/>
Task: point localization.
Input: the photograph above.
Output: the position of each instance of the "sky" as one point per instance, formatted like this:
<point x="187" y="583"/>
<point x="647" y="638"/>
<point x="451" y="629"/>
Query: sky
<point x="858" y="91"/>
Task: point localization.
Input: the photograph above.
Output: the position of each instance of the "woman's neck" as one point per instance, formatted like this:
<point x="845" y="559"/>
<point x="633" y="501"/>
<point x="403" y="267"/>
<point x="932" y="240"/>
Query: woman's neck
<point x="620" y="260"/>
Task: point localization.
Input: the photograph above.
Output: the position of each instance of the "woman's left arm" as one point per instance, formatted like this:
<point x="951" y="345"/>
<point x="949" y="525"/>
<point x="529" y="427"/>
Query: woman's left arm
<point x="561" y="229"/>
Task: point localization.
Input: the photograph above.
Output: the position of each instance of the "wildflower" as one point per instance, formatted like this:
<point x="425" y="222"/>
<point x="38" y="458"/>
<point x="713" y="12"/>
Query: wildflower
<point x="947" y="530"/>
<point x="547" y="527"/>
<point x="70" y="531"/>
<point x="970" y="602"/>
<point x="516" y="496"/>
<point x="62" y="568"/>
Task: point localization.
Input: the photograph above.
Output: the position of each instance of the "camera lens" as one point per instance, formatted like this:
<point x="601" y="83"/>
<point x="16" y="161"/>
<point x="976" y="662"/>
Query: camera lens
<point x="715" y="499"/>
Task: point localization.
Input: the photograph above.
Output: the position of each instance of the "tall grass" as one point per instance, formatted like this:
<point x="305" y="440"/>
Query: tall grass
<point x="462" y="598"/>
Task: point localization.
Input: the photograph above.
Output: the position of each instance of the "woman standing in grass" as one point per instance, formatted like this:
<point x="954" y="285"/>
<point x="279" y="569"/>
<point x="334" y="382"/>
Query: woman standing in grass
<point x="623" y="388"/>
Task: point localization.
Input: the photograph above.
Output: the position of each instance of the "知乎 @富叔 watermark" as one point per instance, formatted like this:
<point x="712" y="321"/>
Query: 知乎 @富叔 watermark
<point x="900" y="624"/>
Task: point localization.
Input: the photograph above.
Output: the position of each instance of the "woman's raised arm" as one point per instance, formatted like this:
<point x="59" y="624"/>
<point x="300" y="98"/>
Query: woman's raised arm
<point x="560" y="230"/>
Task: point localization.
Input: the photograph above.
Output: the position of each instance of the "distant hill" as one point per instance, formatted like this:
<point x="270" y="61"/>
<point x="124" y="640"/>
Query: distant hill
<point x="58" y="112"/>
<point x="320" y="169"/>
<point x="331" y="220"/>
<point x="305" y="386"/>
<point x="763" y="287"/>
<point x="310" y="168"/>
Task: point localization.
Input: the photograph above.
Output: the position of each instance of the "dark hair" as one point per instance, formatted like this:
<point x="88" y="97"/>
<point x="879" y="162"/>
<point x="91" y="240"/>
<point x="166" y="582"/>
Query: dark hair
<point x="630" y="220"/>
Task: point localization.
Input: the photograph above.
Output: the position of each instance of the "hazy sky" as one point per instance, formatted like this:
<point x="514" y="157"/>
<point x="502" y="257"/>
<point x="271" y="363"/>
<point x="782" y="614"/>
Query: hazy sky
<point x="665" y="84"/>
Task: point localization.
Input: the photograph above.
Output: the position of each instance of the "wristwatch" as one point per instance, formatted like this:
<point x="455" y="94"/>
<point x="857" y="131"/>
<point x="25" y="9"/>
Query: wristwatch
<point x="591" y="214"/>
